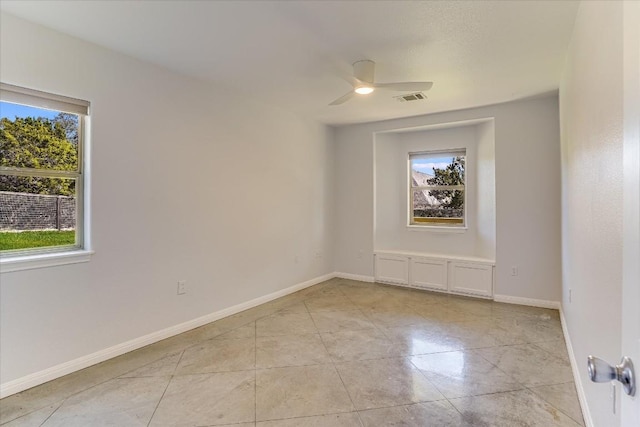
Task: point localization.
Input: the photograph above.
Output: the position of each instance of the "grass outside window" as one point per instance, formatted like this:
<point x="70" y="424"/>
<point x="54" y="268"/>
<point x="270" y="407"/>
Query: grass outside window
<point x="36" y="239"/>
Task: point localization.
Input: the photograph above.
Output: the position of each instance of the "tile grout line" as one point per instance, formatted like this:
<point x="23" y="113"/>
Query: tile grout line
<point x="382" y="330"/>
<point x="512" y="391"/>
<point x="299" y="417"/>
<point x="434" y="386"/>
<point x="334" y="365"/>
<point x="50" y="415"/>
<point x="64" y="399"/>
<point x="551" y="404"/>
<point x="118" y="376"/>
<point x="525" y="387"/>
<point x="408" y="357"/>
<point x="471" y="350"/>
<point x="166" y="387"/>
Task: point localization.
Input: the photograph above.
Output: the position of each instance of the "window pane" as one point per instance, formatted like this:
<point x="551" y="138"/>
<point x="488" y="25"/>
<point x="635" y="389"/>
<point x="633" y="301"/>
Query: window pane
<point x="37" y="212"/>
<point x="437" y="171"/>
<point x="38" y="138"/>
<point x="438" y="206"/>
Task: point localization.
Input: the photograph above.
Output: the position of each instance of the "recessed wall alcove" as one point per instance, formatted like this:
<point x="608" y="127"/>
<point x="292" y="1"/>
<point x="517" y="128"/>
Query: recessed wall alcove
<point x="439" y="250"/>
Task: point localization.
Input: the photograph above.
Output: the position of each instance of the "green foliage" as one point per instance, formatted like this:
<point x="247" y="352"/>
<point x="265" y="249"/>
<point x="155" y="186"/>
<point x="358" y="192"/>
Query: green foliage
<point x="453" y="174"/>
<point x="36" y="239"/>
<point x="39" y="143"/>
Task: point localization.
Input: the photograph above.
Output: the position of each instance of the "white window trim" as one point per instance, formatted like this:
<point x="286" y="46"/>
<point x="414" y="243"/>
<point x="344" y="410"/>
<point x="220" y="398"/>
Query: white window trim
<point x="50" y="101"/>
<point x="80" y="252"/>
<point x="42" y="260"/>
<point x="440" y="228"/>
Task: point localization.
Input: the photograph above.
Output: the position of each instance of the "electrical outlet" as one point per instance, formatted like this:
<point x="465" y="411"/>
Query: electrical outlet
<point x="360" y="254"/>
<point x="514" y="270"/>
<point x="182" y="287"/>
<point x="570" y="292"/>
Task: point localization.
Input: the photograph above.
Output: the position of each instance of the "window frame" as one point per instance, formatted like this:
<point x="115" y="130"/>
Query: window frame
<point x="19" y="259"/>
<point x="434" y="224"/>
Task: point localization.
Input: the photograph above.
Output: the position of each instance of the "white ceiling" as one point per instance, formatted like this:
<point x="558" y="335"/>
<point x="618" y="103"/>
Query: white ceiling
<point x="296" y="53"/>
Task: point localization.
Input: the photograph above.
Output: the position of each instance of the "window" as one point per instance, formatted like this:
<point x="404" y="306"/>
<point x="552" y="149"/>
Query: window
<point x="41" y="172"/>
<point x="437" y="188"/>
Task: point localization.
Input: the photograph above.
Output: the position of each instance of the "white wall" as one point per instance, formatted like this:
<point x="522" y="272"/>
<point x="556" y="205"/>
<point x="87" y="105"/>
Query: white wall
<point x="391" y="231"/>
<point x="527" y="173"/>
<point x="188" y="182"/>
<point x="388" y="189"/>
<point x="592" y="193"/>
<point x="486" y="185"/>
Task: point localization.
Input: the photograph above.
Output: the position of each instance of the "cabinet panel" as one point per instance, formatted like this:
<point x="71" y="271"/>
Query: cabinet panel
<point x="392" y="269"/>
<point x="471" y="278"/>
<point x="429" y="273"/>
<point x="440" y="273"/>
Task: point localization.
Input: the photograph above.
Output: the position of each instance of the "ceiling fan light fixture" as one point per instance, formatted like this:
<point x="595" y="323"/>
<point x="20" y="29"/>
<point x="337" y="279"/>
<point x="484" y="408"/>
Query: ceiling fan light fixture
<point x="363" y="83"/>
<point x="364" y="90"/>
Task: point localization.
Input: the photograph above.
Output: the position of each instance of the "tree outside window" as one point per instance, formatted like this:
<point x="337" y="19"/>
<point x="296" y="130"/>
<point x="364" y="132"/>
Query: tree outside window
<point x="437" y="188"/>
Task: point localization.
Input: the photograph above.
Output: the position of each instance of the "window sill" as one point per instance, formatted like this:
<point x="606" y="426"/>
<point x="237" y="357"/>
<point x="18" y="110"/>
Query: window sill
<point x="30" y="262"/>
<point x="437" y="229"/>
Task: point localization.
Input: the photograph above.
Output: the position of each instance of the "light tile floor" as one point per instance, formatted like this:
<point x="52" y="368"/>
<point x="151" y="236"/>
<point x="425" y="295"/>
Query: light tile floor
<point x="341" y="353"/>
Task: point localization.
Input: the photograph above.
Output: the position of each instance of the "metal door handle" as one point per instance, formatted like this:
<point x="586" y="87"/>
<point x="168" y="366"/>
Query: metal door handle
<point x="600" y="372"/>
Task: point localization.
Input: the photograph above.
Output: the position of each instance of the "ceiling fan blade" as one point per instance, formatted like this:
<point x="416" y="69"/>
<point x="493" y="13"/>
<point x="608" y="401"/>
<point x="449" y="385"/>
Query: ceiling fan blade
<point x="405" y="86"/>
<point x="344" y="98"/>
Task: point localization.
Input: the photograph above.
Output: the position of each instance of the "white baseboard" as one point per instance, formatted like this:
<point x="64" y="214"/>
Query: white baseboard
<point x="575" y="368"/>
<point x="357" y="277"/>
<point x="527" y="301"/>
<point x="41" y="377"/>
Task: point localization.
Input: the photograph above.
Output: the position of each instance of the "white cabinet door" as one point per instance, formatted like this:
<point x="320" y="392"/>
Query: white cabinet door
<point x="471" y="278"/>
<point x="429" y="273"/>
<point x="392" y="269"/>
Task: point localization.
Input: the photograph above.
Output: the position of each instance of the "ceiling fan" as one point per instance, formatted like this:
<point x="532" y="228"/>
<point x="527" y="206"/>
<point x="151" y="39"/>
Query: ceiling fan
<point x="363" y="82"/>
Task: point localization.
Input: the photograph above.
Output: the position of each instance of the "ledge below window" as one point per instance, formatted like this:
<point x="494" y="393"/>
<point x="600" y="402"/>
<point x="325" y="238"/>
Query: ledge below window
<point x="437" y="228"/>
<point x="30" y="262"/>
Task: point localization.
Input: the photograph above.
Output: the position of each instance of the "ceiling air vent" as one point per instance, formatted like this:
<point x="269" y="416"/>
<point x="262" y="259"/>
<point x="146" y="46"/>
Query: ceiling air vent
<point x="417" y="96"/>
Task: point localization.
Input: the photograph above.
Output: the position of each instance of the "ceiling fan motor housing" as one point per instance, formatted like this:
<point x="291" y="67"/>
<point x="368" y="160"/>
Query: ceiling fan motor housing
<point x="364" y="70"/>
